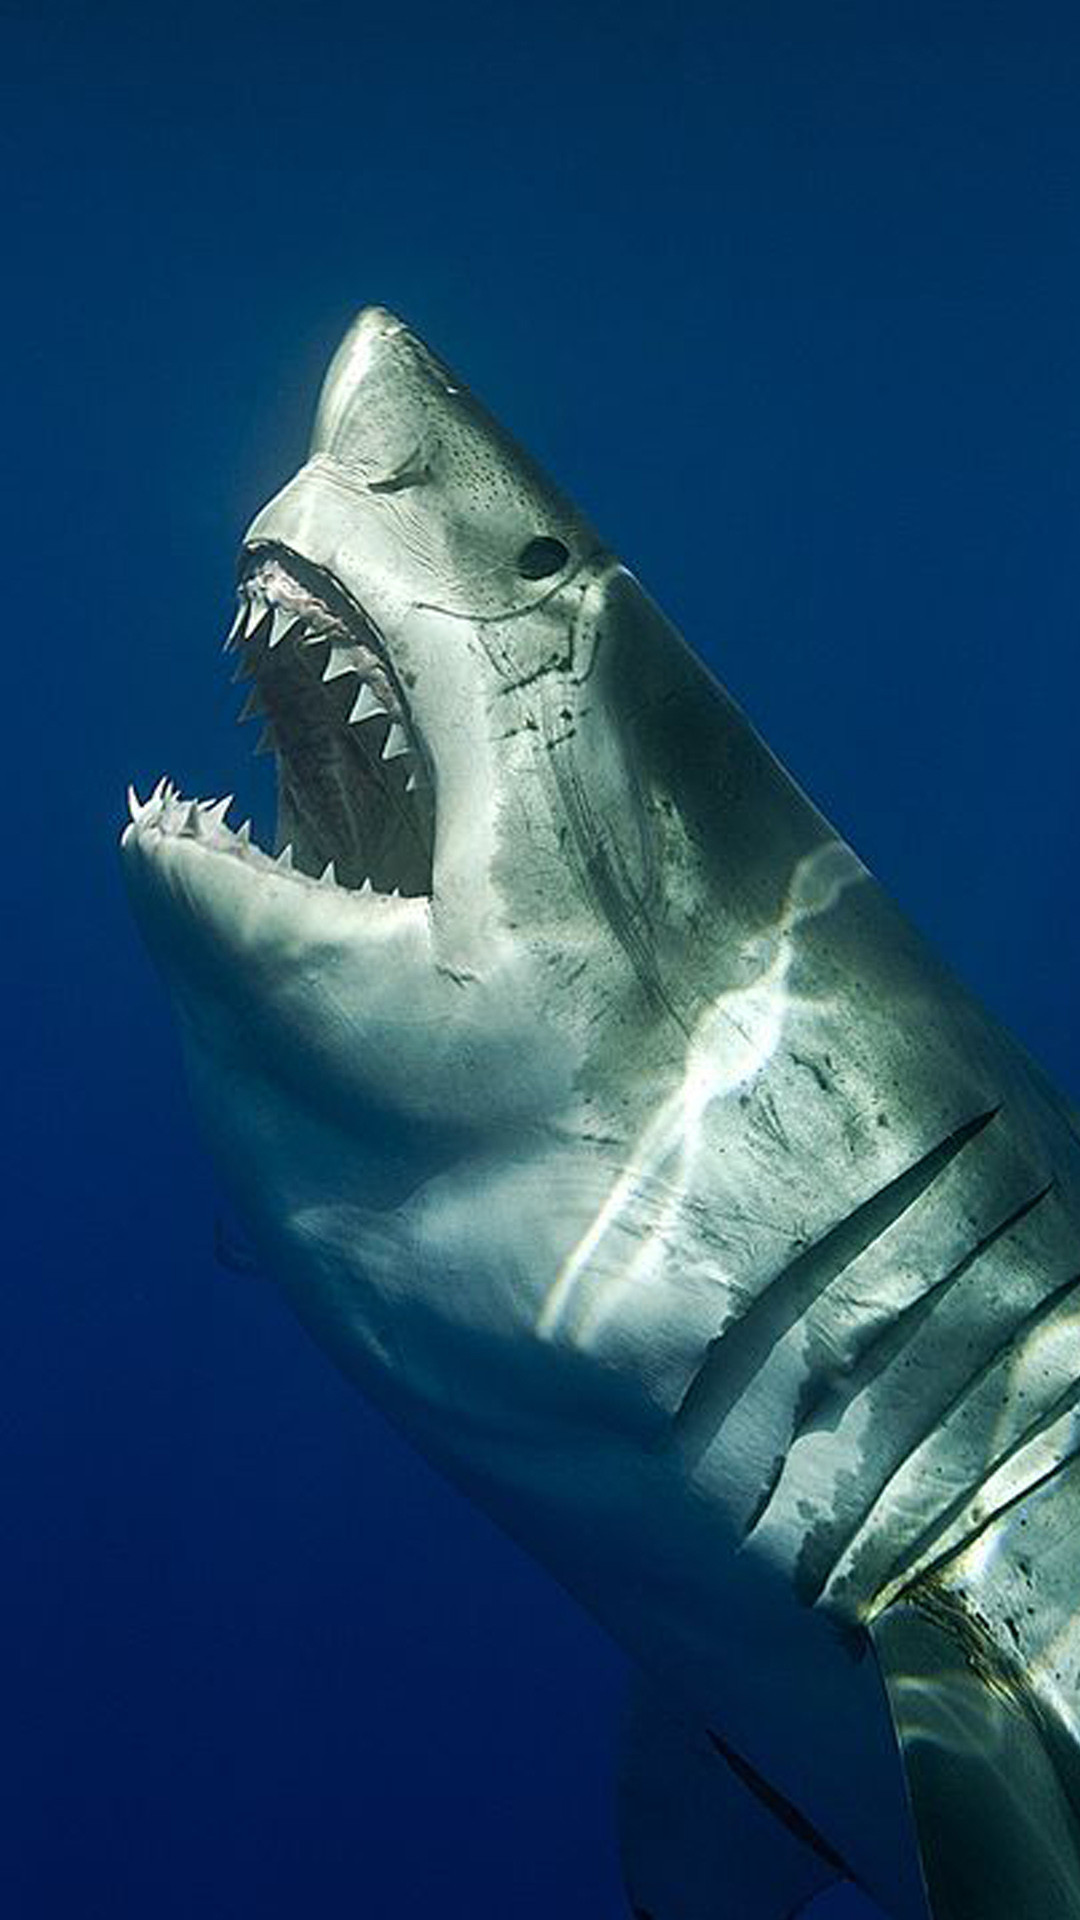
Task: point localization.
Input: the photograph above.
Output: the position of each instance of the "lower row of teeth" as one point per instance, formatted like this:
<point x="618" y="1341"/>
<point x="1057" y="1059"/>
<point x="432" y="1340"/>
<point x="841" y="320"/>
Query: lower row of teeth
<point x="206" y="820"/>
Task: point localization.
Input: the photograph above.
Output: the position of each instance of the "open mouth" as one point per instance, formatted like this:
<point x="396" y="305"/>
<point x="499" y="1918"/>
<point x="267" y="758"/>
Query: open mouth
<point x="355" y="794"/>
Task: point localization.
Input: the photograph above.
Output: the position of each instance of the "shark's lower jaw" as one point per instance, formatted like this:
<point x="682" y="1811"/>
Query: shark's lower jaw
<point x="355" y="788"/>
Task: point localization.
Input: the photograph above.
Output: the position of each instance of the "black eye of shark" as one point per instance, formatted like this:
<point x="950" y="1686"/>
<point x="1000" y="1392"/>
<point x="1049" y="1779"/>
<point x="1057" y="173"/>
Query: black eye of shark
<point x="541" y="557"/>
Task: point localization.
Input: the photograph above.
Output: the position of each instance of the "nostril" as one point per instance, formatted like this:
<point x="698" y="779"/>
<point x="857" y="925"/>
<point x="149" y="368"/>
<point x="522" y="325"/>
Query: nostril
<point x="541" y="556"/>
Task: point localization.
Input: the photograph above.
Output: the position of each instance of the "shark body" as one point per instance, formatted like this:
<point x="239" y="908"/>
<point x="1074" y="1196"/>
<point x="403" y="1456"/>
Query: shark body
<point x="611" y="1128"/>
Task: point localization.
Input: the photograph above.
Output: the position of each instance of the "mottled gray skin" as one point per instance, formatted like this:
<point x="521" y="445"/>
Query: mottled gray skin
<point x="732" y="1256"/>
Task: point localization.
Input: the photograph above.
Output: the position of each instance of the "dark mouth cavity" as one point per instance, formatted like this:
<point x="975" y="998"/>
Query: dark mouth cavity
<point x="354" y="783"/>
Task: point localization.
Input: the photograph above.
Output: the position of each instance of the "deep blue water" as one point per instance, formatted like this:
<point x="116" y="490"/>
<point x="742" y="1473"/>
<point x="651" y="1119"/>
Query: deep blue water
<point x="788" y="297"/>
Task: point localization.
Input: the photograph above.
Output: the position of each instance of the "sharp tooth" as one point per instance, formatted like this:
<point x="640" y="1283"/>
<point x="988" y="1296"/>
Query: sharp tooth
<point x="366" y="887"/>
<point x="284" y="858"/>
<point x="396" y="742"/>
<point x="340" y="661"/>
<point x="410" y="784"/>
<point x="135" y="805"/>
<point x="235" y="632"/>
<point x="279" y="625"/>
<point x="328" y="877"/>
<point x="243" y="834"/>
<point x="252" y="708"/>
<point x="267" y="741"/>
<point x="366" y="705"/>
<point x="216" y="811"/>
<point x="256" y="614"/>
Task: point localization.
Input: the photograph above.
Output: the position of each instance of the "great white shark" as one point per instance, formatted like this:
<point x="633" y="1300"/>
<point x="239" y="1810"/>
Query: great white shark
<point x="606" y="1122"/>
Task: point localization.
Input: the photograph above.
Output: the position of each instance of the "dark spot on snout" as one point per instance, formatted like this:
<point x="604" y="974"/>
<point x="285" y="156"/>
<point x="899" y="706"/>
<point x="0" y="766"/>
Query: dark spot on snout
<point x="542" y="556"/>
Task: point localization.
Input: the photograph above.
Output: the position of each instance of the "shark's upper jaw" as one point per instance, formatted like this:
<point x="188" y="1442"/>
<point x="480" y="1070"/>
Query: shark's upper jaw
<point x="355" y="784"/>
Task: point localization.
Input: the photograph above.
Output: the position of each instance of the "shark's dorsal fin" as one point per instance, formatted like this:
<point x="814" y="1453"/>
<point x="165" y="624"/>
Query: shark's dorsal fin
<point x="990" y="1778"/>
<point x="697" y="1837"/>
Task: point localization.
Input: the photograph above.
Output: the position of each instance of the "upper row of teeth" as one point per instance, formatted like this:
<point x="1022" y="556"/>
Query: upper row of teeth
<point x="252" y="610"/>
<point x="343" y="658"/>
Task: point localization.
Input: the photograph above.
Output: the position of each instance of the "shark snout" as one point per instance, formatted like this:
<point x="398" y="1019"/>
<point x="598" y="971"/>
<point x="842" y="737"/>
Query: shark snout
<point x="375" y="409"/>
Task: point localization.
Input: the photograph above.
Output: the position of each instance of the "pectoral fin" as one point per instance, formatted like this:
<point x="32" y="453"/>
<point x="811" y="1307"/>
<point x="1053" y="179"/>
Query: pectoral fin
<point x="992" y="1784"/>
<point x="701" y="1837"/>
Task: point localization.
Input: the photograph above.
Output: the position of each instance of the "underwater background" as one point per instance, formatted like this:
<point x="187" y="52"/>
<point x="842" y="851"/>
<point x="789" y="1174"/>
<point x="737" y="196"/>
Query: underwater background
<point x="788" y="298"/>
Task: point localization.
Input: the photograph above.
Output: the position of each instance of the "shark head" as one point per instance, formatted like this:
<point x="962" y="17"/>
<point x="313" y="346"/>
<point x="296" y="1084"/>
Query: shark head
<point x="425" y="626"/>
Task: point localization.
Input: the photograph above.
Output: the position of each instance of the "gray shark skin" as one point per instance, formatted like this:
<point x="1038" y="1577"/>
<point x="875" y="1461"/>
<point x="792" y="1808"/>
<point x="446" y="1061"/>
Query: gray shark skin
<point x="605" y="1122"/>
